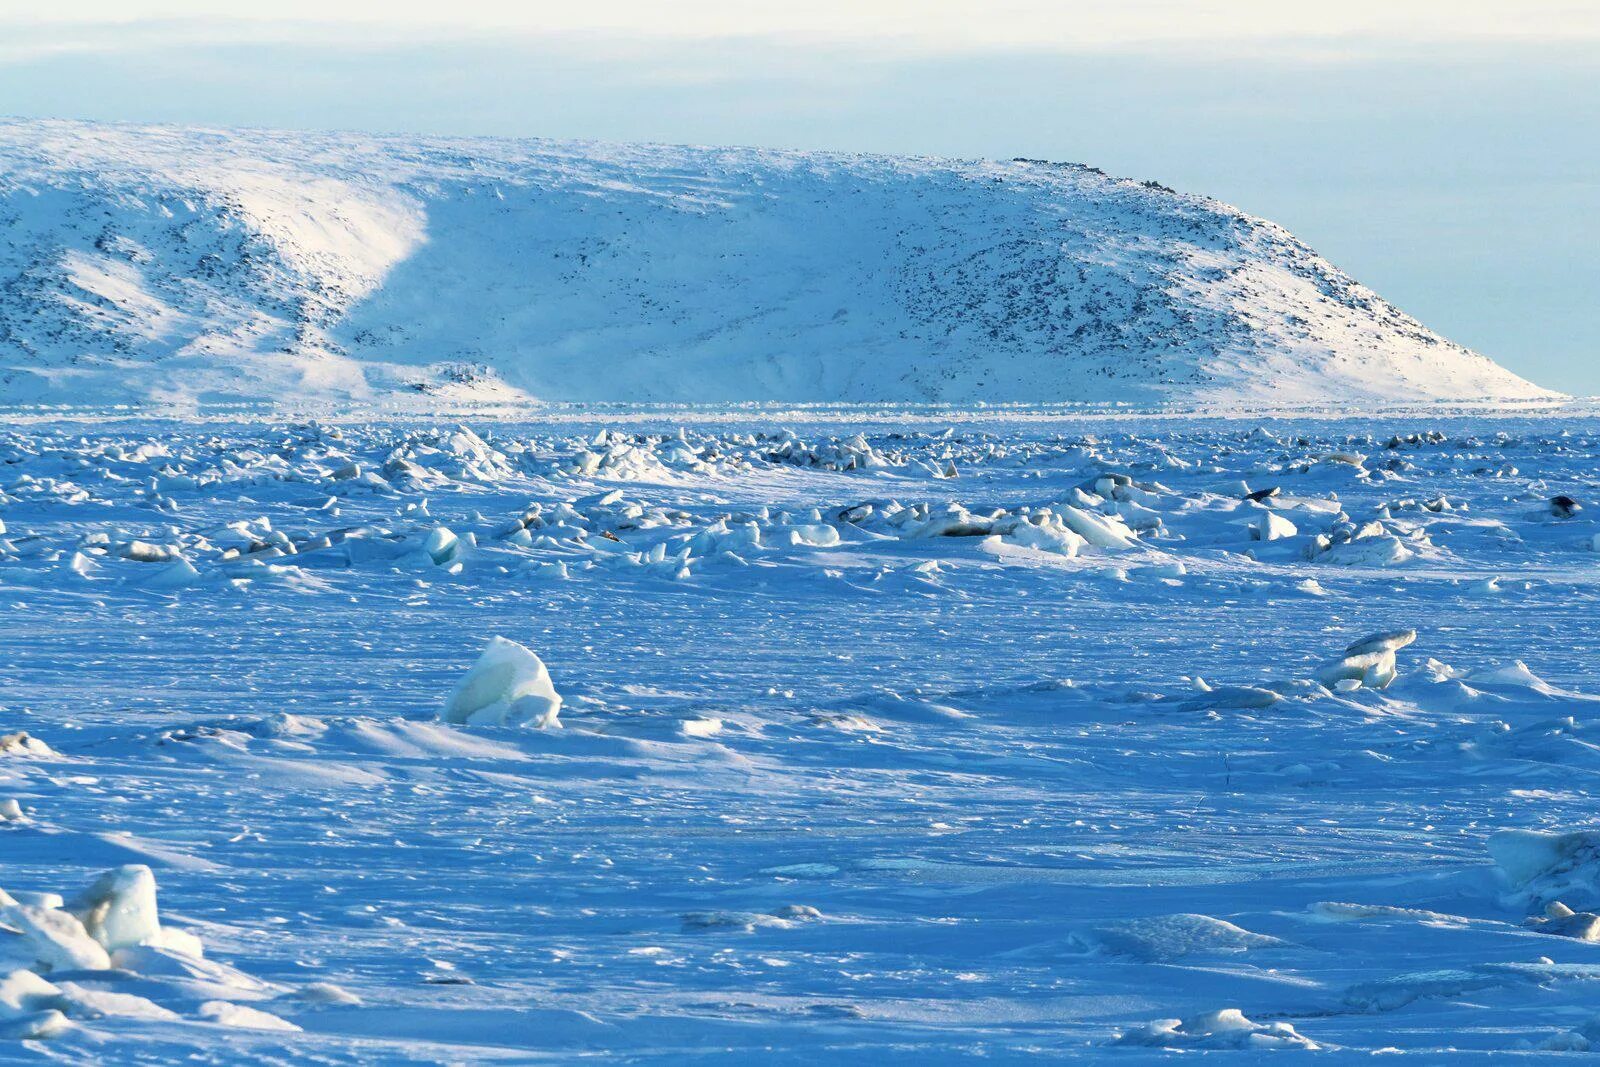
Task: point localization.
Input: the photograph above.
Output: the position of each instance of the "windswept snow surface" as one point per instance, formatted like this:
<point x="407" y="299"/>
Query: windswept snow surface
<point x="878" y="740"/>
<point x="169" y="267"/>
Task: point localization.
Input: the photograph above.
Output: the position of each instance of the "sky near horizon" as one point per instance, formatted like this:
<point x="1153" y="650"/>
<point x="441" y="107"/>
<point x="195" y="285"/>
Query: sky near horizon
<point x="1447" y="154"/>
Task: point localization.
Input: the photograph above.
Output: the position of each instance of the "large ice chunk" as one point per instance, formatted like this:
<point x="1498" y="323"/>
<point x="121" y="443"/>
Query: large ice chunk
<point x="1271" y="526"/>
<point x="1369" y="661"/>
<point x="1102" y="531"/>
<point x="442" y="546"/>
<point x="179" y="574"/>
<point x="1541" y="867"/>
<point x="56" y="940"/>
<point x="509" y="685"/>
<point x="119" y="907"/>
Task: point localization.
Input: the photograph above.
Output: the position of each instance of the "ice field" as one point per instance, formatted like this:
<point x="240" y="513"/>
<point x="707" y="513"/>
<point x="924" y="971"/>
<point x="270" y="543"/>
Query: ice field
<point x="826" y="735"/>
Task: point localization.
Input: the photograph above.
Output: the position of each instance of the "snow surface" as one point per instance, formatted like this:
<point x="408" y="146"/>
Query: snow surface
<point x="172" y="267"/>
<point x="881" y="740"/>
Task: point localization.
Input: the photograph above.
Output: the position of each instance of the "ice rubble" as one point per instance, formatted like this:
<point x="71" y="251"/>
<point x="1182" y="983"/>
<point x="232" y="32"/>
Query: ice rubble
<point x="508" y="686"/>
<point x="1109" y="510"/>
<point x="114" y="927"/>
<point x="1224" y="1029"/>
<point x="550" y="539"/>
<point x="1059" y="527"/>
<point x="387" y="474"/>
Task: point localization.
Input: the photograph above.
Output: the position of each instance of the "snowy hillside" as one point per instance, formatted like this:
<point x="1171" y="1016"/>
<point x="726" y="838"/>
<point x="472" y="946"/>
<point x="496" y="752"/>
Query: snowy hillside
<point x="164" y="265"/>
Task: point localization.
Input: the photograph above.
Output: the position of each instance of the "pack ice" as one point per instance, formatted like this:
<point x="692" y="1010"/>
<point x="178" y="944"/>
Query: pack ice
<point x="804" y="734"/>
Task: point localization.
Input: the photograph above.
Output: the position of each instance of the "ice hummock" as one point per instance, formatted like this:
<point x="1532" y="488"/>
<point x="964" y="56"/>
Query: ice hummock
<point x="116" y="912"/>
<point x="119" y="908"/>
<point x="508" y="686"/>
<point x="1369" y="661"/>
<point x="110" y="933"/>
<point x="1542" y="867"/>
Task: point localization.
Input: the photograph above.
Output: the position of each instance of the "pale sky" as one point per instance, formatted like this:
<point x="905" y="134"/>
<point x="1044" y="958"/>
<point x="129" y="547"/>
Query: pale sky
<point x="1447" y="154"/>
<point x="944" y="24"/>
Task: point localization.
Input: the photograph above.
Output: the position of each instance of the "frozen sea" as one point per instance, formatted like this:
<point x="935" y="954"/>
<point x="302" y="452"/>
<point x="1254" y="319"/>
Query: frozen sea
<point x="882" y="737"/>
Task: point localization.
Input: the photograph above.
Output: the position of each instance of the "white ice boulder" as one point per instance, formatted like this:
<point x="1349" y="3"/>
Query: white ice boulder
<point x="819" y="535"/>
<point x="442" y="546"/>
<point x="180" y="574"/>
<point x="723" y="536"/>
<point x="1101" y="531"/>
<point x="119" y="907"/>
<point x="1272" y="527"/>
<point x="508" y="686"/>
<point x="1369" y="661"/>
<point x="1043" y="531"/>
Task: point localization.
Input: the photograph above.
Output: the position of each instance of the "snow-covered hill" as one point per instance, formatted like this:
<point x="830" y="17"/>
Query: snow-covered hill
<point x="165" y="265"/>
